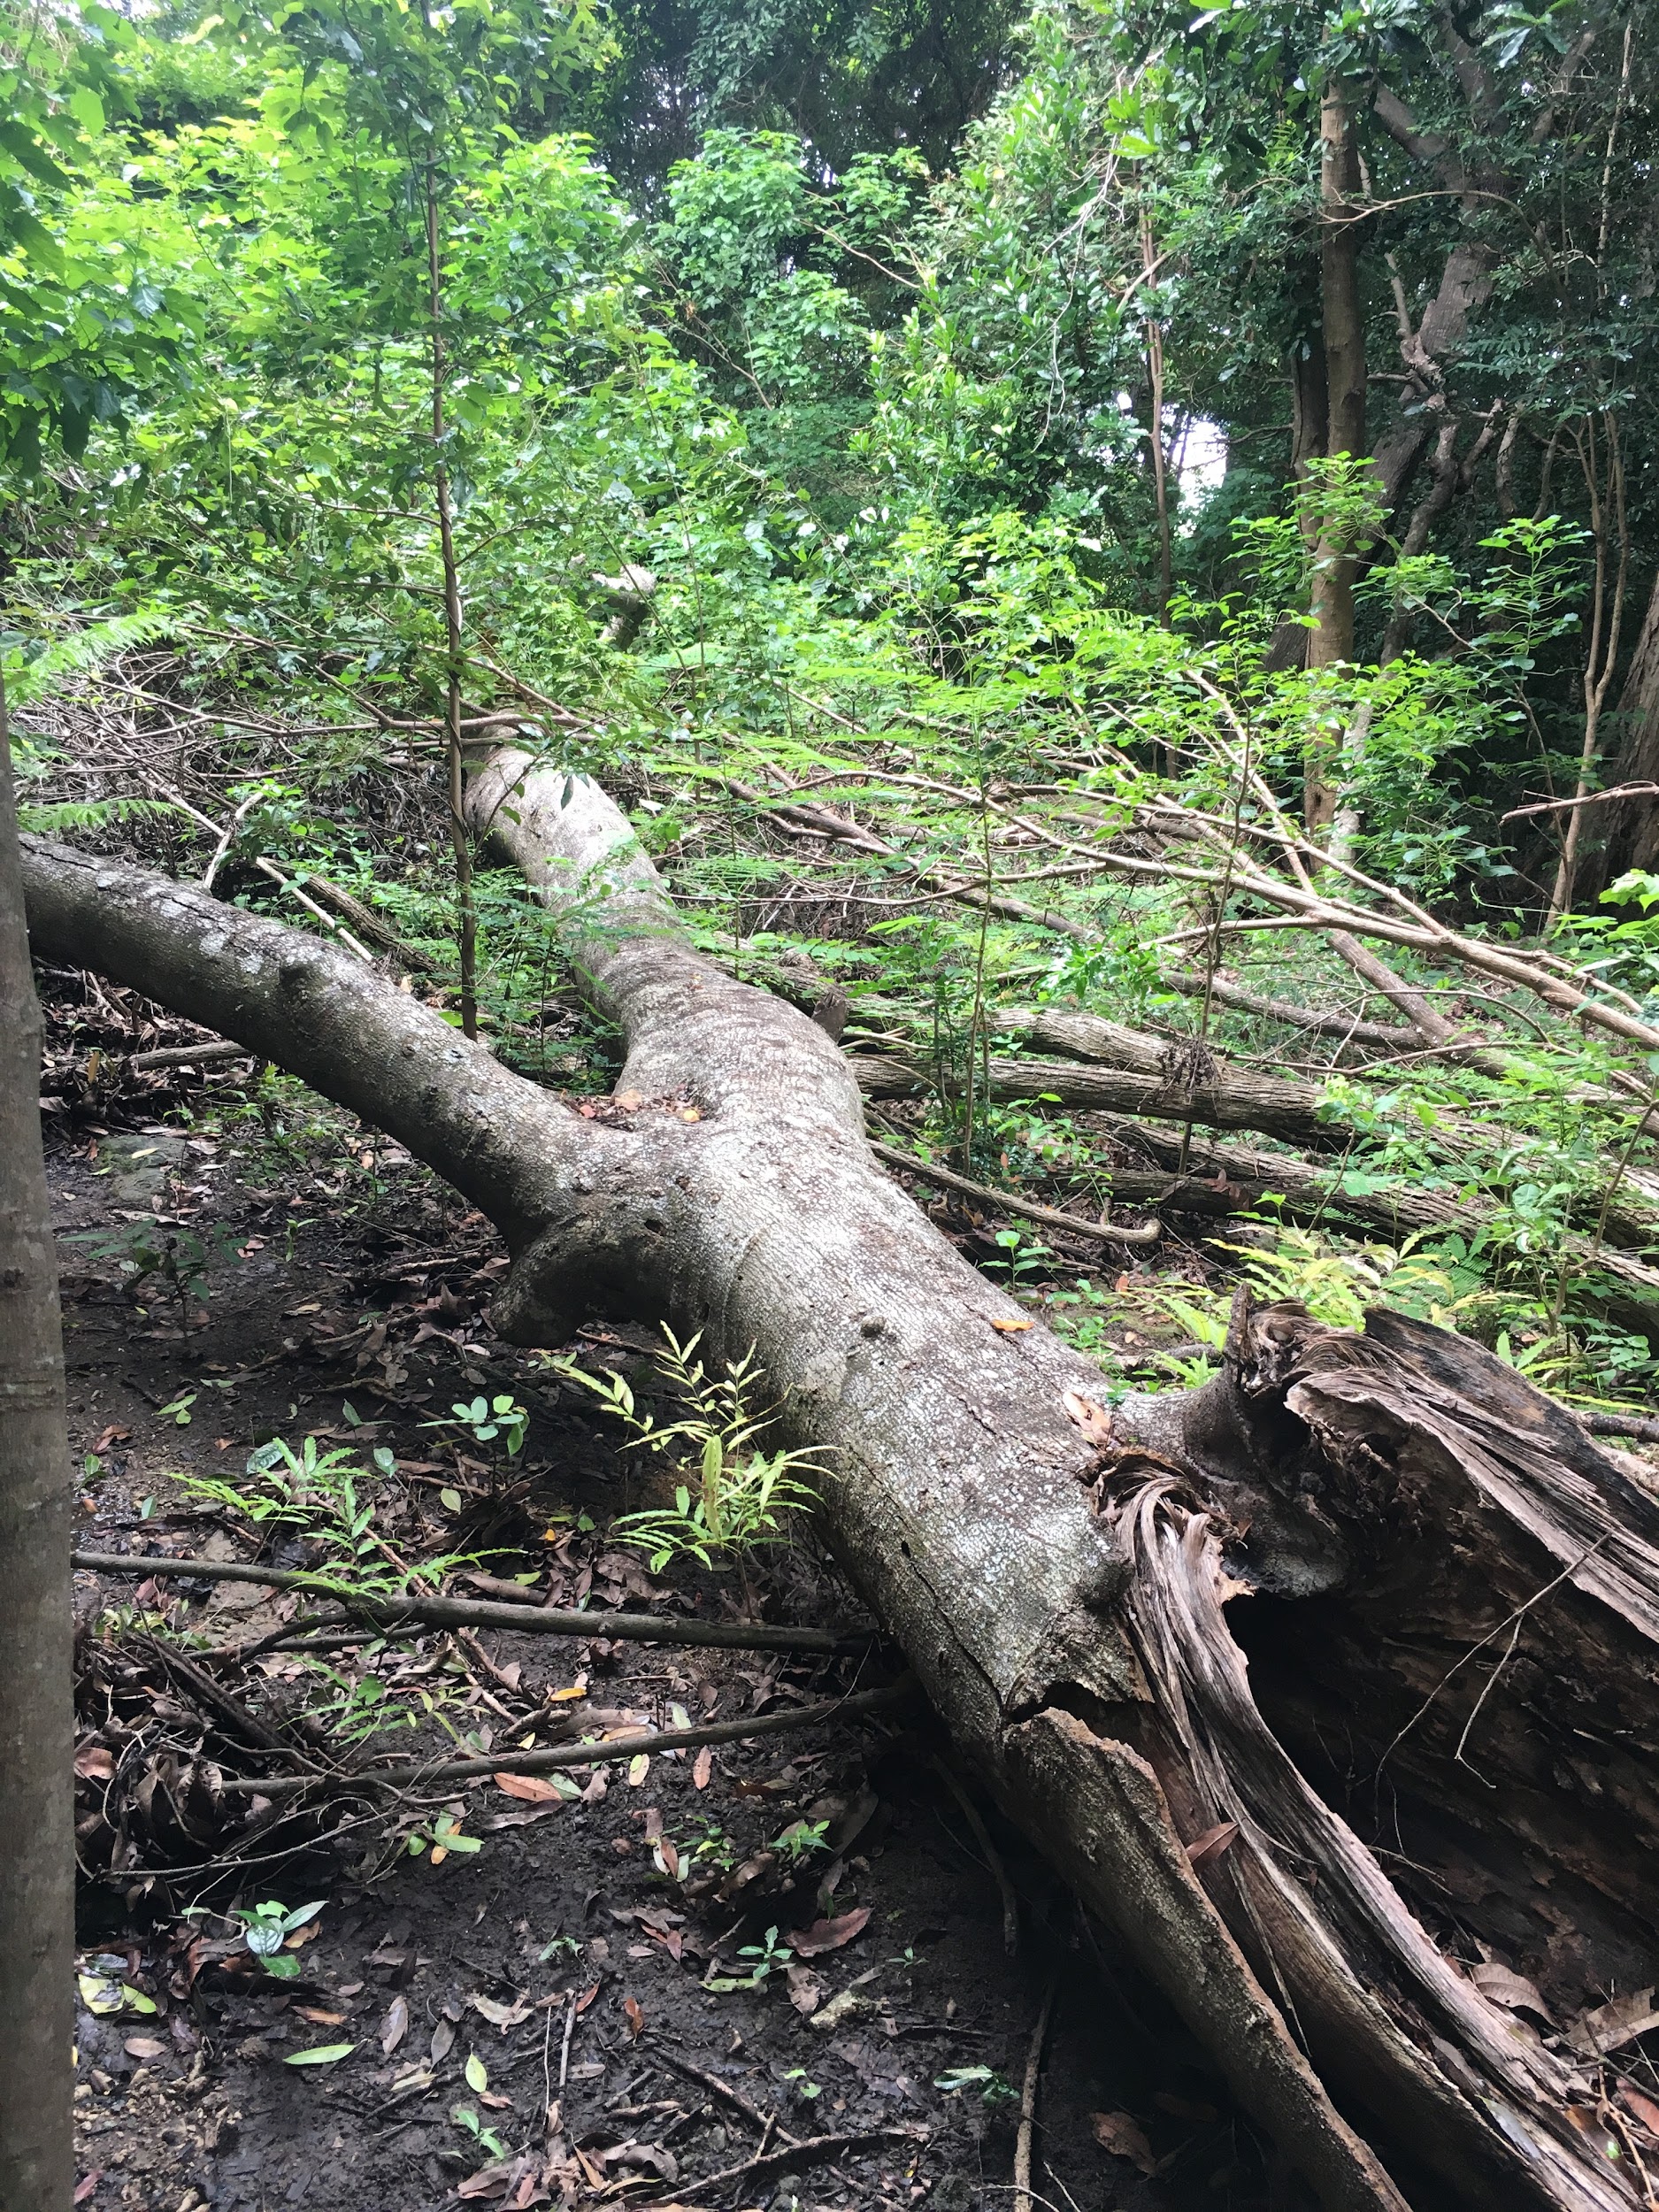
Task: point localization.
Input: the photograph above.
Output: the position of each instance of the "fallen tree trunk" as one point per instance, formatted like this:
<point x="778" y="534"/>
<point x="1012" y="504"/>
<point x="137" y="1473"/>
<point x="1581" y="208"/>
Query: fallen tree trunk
<point x="1068" y="1587"/>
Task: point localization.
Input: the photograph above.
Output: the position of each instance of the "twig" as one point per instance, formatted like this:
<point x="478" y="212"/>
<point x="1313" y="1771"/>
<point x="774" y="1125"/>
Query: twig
<point x="982" y="1836"/>
<point x="1644" y="1430"/>
<point x="247" y="1724"/>
<point x="565" y="2043"/>
<point x="1591" y="798"/>
<point x="189" y="1057"/>
<point x="1515" y="1617"/>
<point x="528" y="1619"/>
<point x="1074" y="1224"/>
<point x="816" y="2150"/>
<point x="716" y="2087"/>
<point x="508" y="1761"/>
<point x="1028" y="2103"/>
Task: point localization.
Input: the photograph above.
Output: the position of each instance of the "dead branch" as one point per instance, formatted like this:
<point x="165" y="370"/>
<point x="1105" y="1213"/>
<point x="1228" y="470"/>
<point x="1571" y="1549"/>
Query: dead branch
<point x="528" y="1619"/>
<point x="1073" y="1224"/>
<point x="507" y="1761"/>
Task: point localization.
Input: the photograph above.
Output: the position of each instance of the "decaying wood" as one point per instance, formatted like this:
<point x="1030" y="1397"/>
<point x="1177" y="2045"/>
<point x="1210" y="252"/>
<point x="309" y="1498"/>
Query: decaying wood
<point x="1308" y="1855"/>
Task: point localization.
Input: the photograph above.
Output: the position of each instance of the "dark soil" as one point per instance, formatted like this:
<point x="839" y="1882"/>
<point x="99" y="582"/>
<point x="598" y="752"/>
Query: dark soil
<point x="337" y="1274"/>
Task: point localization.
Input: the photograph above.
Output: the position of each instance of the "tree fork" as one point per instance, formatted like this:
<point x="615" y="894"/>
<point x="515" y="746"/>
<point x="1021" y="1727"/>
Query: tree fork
<point x="1070" y="1587"/>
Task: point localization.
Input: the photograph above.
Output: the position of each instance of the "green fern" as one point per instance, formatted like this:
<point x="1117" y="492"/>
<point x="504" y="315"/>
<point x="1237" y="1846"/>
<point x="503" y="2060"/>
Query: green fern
<point x="87" y="814"/>
<point x="81" y="651"/>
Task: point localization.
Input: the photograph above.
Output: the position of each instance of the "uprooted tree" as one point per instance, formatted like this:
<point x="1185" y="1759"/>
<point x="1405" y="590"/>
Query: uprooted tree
<point x="1244" y="1662"/>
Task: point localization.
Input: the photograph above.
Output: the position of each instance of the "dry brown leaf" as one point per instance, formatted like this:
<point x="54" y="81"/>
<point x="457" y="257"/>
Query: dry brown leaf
<point x="1093" y="1420"/>
<point x="1010" y="1328"/>
<point x="1123" y="2136"/>
<point x="1511" y="1990"/>
<point x="442" y="2041"/>
<point x="394" y="2027"/>
<point x="500" y="2015"/>
<point x="829" y="1935"/>
<point x="322" y="2018"/>
<point x="1611" y="2025"/>
<point x="530" y="1787"/>
<point x="1646" y="2110"/>
<point x="145" y="2047"/>
<point x="94" y="1763"/>
<point x="636" y="2018"/>
<point x="1204" y="1849"/>
<point x="701" y="1769"/>
<point x="806" y="1989"/>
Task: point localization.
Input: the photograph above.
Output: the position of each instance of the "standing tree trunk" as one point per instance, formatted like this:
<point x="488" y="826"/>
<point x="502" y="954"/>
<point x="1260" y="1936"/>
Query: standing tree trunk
<point x="1631" y="827"/>
<point x="37" y="1896"/>
<point x="1360" y="1513"/>
<point x="1337" y="551"/>
<point x="1610" y="530"/>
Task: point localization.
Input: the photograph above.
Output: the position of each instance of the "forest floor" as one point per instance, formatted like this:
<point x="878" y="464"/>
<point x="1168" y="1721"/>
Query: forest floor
<point x="343" y="1297"/>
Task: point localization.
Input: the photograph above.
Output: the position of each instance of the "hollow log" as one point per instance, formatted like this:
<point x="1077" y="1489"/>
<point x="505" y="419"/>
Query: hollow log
<point x="1318" y="1873"/>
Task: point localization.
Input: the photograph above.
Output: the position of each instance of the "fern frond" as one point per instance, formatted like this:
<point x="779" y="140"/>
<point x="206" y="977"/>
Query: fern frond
<point x="87" y="814"/>
<point x="81" y="651"/>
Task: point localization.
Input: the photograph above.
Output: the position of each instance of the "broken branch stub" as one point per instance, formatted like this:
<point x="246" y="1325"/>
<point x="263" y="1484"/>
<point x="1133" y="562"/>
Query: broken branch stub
<point x="1074" y="1603"/>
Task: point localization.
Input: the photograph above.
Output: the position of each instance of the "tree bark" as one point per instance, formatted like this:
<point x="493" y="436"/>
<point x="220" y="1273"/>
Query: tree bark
<point x="37" y="1898"/>
<point x="1069" y="1586"/>
<point x="1631" y="827"/>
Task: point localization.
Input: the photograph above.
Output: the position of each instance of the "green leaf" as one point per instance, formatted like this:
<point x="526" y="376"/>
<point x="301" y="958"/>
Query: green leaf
<point x="451" y="1498"/>
<point x="88" y="110"/>
<point x="320" y="2054"/>
<point x="477" y="2074"/>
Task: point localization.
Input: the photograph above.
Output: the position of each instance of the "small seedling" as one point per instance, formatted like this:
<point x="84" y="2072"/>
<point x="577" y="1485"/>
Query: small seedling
<point x="486" y="1418"/>
<point x="799" y="1840"/>
<point x="268" y="1928"/>
<point x="770" y="1957"/>
<point x="463" y="2116"/>
<point x="442" y="1837"/>
<point x="178" y="1412"/>
<point x="802" y="2086"/>
<point x="994" y="2088"/>
<point x="1020" y="1258"/>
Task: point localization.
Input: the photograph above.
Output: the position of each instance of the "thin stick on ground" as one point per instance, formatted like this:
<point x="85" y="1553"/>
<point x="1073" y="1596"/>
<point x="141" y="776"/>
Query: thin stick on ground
<point x="726" y="2093"/>
<point x="1073" y="1224"/>
<point x="1028" y="2102"/>
<point x="993" y="1860"/>
<point x="507" y="1761"/>
<point x="815" y="2151"/>
<point x="528" y="1619"/>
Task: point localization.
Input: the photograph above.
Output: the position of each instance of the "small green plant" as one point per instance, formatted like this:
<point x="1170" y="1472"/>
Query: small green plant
<point x="441" y="1837"/>
<point x="770" y="1957"/>
<point x="994" y="2088"/>
<point x="1022" y="1256"/>
<point x="737" y="1497"/>
<point x="713" y="1847"/>
<point x="267" y="1928"/>
<point x="804" y="2086"/>
<point x="484" y="1419"/>
<point x="462" y="2116"/>
<point x="799" y="1840"/>
<point x="318" y="1494"/>
<point x="176" y="1256"/>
